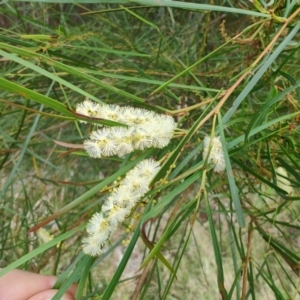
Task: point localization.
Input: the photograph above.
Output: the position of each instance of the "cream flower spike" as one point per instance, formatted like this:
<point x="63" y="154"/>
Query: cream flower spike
<point x="216" y="154"/>
<point x="88" y="108"/>
<point x="118" y="206"/>
<point x="145" y="129"/>
<point x="282" y="180"/>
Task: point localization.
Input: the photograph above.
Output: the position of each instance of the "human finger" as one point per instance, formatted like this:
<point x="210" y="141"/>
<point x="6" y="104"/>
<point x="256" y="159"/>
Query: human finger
<point x="21" y="285"/>
<point x="49" y="294"/>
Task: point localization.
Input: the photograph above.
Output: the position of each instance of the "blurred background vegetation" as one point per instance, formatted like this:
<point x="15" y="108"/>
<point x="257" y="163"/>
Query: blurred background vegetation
<point x="227" y="236"/>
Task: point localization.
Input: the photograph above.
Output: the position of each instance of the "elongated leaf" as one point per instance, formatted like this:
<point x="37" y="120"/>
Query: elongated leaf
<point x="51" y="103"/>
<point x="73" y="278"/>
<point x="71" y="70"/>
<point x="177" y="4"/>
<point x="217" y="252"/>
<point x="262" y="127"/>
<point x="232" y="185"/>
<point x="30" y="94"/>
<point x="117" y="275"/>
<point x="44" y="72"/>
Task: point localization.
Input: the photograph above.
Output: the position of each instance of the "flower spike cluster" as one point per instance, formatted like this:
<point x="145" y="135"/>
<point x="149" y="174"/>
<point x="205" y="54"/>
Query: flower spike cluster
<point x="146" y="129"/>
<point x="216" y="154"/>
<point x="118" y="206"/>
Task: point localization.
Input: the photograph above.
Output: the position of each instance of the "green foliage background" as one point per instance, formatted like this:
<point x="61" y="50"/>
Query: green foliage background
<point x="226" y="68"/>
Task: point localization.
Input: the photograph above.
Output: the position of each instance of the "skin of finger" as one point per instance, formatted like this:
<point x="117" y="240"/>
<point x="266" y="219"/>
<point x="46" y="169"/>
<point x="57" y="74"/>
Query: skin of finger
<point x="49" y="294"/>
<point x="21" y="285"/>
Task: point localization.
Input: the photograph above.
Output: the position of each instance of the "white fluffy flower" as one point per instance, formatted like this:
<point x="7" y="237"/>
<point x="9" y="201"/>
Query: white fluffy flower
<point x="123" y="138"/>
<point x="92" y="148"/>
<point x="282" y="180"/>
<point x="136" y="184"/>
<point x="110" y="112"/>
<point x="147" y="168"/>
<point x="161" y="129"/>
<point x="141" y="137"/>
<point x="135" y="116"/>
<point x="125" y="196"/>
<point x="216" y="154"/>
<point x="146" y="129"/>
<point x="104" y="141"/>
<point x="117" y="214"/>
<point x="119" y="205"/>
<point x="127" y="115"/>
<point x="100" y="226"/>
<point x="218" y="160"/>
<point x="88" y="108"/>
<point x="91" y="246"/>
